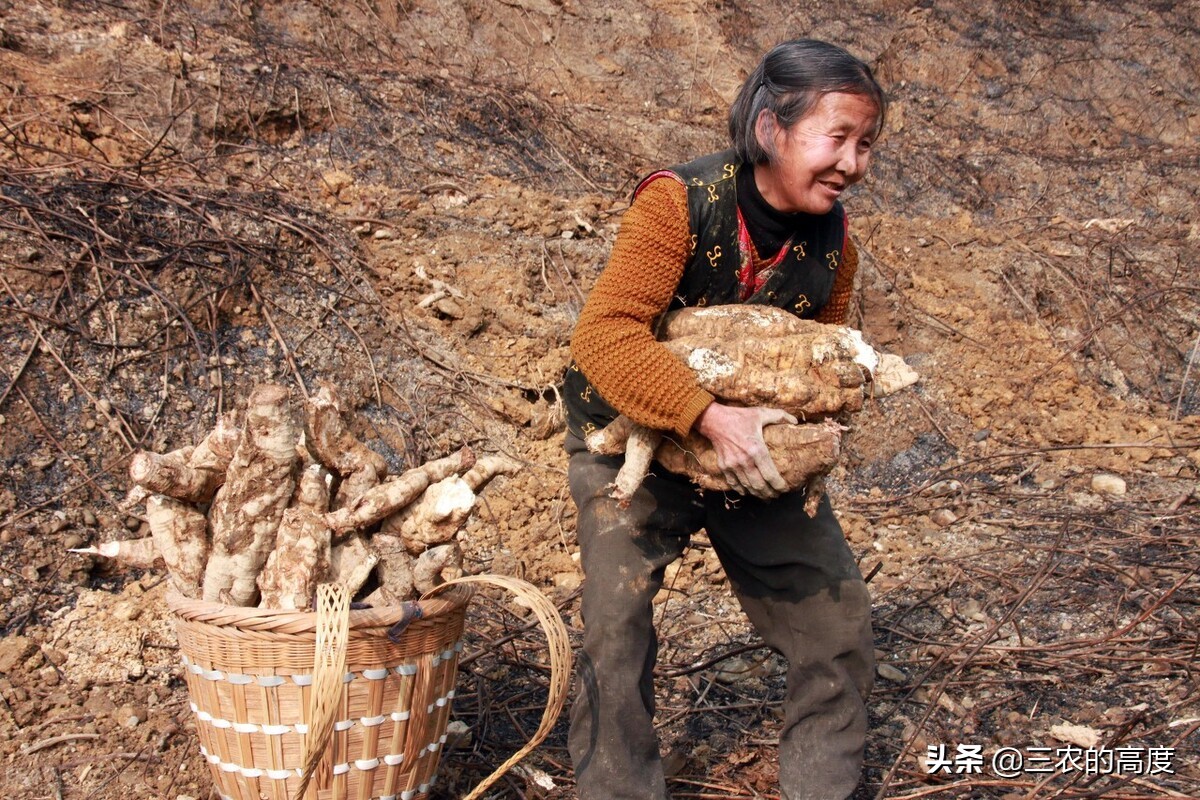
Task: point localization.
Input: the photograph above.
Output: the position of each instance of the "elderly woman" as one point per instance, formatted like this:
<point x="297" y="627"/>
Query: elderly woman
<point x="759" y="223"/>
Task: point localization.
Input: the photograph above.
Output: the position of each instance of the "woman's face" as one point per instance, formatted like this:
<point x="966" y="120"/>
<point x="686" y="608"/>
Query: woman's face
<point x="819" y="156"/>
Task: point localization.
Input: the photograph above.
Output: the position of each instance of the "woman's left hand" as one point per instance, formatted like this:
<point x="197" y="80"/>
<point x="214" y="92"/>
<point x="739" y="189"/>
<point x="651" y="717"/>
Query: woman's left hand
<point x="737" y="437"/>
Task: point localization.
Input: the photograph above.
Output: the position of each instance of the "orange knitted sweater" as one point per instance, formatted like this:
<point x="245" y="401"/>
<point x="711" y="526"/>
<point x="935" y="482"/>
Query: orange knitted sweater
<point x="614" y="343"/>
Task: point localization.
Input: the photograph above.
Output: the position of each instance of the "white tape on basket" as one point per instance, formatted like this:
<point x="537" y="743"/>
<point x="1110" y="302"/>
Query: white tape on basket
<point x="246" y="727"/>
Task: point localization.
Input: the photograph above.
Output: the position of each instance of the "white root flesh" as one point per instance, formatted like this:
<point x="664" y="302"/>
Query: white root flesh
<point x="180" y="534"/>
<point x="892" y="376"/>
<point x="389" y="497"/>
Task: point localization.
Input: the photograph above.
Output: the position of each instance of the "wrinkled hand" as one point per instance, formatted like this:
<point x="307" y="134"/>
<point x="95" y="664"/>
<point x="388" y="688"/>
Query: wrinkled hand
<point x="737" y="437"/>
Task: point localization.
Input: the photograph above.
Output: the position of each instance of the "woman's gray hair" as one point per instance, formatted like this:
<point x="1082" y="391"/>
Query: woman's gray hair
<point x="788" y="82"/>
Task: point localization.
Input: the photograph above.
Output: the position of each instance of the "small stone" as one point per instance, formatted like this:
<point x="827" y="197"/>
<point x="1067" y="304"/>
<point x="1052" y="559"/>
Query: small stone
<point x="383" y="233"/>
<point x="982" y="435"/>
<point x="1108" y="484"/>
<point x="133" y="523"/>
<point x="14" y="650"/>
<point x="72" y="541"/>
<point x="128" y="716"/>
<point x="48" y="676"/>
<point x="890" y="673"/>
<point x="458" y="734"/>
<point x="568" y="581"/>
<point x="89" y="517"/>
<point x="449" y="308"/>
<point x="126" y="610"/>
<point x="943" y="517"/>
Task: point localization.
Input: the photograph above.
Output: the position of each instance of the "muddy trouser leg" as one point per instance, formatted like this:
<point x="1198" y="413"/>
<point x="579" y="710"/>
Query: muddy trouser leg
<point x="798" y="582"/>
<point x="624" y="552"/>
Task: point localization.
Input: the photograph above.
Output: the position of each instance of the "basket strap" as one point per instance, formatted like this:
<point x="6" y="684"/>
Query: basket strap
<point x="329" y="669"/>
<point x="560" y="662"/>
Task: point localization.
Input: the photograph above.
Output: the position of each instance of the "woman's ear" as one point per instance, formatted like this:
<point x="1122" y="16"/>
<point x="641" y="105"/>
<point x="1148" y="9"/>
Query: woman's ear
<point x="766" y="128"/>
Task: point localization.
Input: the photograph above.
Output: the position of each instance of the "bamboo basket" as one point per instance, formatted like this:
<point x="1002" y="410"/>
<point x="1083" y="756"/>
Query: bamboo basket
<point x="325" y="706"/>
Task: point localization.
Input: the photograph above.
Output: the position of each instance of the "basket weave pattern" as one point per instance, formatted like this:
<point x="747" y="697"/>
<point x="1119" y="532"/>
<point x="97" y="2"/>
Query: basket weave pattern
<point x="250" y="678"/>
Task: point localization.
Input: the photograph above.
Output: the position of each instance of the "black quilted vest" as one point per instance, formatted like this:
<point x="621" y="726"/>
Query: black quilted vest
<point x="801" y="283"/>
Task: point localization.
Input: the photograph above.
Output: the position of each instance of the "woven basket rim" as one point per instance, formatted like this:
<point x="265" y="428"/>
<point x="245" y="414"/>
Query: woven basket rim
<point x="280" y="621"/>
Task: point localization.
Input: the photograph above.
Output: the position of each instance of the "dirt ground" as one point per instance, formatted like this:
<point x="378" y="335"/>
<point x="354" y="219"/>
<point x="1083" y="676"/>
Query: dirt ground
<point x="411" y="199"/>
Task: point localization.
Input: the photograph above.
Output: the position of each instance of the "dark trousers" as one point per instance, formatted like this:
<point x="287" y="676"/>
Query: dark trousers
<point x="797" y="581"/>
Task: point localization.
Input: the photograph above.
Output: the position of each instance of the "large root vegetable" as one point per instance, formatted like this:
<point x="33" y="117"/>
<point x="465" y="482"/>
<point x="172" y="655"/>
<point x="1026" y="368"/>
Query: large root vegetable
<point x="358" y="467"/>
<point x="436" y="566"/>
<point x="191" y="474"/>
<point x="730" y="322"/>
<point x="435" y="517"/>
<point x="487" y="468"/>
<point x="800" y="453"/>
<point x="270" y="533"/>
<point x="351" y="562"/>
<point x="248" y="508"/>
<point x="759" y="356"/>
<point x="812" y="373"/>
<point x="136" y="553"/>
<point x="389" y="497"/>
<point x="180" y="535"/>
<point x="395" y="571"/>
<point x="301" y="558"/>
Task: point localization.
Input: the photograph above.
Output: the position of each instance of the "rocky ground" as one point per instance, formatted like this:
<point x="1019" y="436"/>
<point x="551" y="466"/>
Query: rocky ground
<point x="412" y="199"/>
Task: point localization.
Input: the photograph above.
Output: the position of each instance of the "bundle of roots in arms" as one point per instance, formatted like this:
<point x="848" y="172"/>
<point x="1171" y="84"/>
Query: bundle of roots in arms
<point x="262" y="510"/>
<point x="752" y="355"/>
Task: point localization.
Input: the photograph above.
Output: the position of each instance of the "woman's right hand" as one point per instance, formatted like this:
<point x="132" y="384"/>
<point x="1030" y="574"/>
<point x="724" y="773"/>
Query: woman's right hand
<point x="737" y="437"/>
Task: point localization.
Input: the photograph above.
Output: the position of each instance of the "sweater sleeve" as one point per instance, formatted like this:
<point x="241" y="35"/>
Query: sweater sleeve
<point x="837" y="310"/>
<point x="614" y="343"/>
